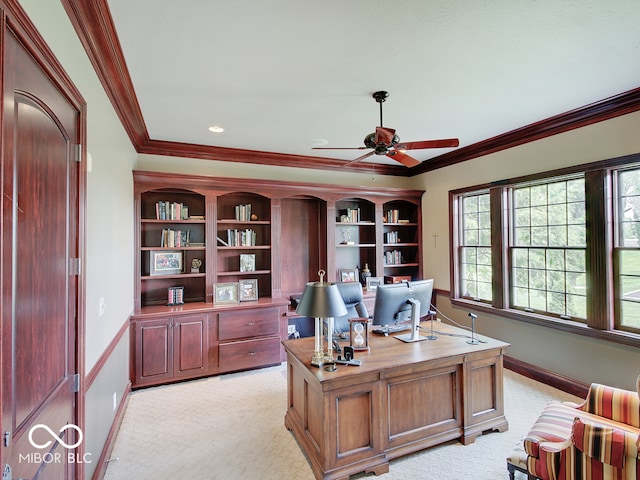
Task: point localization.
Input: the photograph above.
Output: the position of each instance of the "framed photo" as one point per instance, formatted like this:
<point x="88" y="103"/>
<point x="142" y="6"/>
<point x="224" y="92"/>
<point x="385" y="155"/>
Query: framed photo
<point x="247" y="262"/>
<point x="348" y="274"/>
<point x="165" y="263"/>
<point x="373" y="282"/>
<point x="248" y="289"/>
<point x="225" y="293"/>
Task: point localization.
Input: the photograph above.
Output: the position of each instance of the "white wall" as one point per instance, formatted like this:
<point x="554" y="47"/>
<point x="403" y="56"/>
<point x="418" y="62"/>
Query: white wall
<point x="575" y="356"/>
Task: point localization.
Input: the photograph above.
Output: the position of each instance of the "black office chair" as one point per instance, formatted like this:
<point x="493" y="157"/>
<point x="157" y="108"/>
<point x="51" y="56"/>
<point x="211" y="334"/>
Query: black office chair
<point x="352" y="296"/>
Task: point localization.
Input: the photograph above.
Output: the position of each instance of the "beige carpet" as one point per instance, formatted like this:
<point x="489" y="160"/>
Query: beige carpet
<point x="232" y="427"/>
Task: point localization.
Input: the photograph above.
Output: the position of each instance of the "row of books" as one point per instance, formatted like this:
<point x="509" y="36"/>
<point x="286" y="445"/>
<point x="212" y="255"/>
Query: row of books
<point x="391" y="237"/>
<point x="243" y="212"/>
<point x="394" y="257"/>
<point x="392" y="216"/>
<point x="241" y="238"/>
<point x="171" y="211"/>
<point x="175" y="296"/>
<point x="174" y="238"/>
<point x="350" y="215"/>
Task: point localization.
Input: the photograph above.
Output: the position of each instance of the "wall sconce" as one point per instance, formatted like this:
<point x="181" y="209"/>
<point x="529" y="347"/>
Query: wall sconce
<point x="322" y="300"/>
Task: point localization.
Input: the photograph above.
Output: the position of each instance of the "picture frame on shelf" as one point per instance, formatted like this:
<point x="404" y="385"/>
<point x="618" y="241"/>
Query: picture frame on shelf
<point x="225" y="293"/>
<point x="373" y="282"/>
<point x="247" y="262"/>
<point x="248" y="289"/>
<point x="348" y="274"/>
<point x="163" y="262"/>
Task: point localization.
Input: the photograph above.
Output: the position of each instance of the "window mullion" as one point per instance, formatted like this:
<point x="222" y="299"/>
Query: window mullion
<point x="498" y="252"/>
<point x="599" y="280"/>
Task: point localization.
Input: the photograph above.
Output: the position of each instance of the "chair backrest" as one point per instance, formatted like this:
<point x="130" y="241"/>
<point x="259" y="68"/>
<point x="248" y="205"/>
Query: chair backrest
<point x="351" y="293"/>
<point x="613" y="403"/>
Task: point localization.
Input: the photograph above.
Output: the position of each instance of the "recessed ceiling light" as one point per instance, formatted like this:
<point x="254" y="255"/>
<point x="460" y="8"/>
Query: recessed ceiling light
<point x="216" y="129"/>
<point x="319" y="142"/>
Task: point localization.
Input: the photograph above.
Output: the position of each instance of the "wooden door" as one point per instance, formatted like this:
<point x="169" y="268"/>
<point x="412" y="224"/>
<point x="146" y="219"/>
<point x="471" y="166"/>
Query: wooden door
<point x="40" y="276"/>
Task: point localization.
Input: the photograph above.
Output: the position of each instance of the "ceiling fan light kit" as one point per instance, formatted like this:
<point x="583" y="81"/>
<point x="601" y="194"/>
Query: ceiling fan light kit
<point x="384" y="141"/>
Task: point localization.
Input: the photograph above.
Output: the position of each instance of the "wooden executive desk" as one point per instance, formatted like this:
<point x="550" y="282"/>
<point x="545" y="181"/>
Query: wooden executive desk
<point x="403" y="398"/>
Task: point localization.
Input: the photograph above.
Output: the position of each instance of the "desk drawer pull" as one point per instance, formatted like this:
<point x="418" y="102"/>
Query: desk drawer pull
<point x="251" y="354"/>
<point x="250" y="324"/>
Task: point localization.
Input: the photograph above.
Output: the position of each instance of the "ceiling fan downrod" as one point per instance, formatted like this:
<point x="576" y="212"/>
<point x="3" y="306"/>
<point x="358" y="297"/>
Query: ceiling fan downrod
<point x="380" y="96"/>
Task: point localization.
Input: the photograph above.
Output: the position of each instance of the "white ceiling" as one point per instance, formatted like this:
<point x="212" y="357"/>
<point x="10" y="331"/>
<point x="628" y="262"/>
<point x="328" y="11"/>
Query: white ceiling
<point x="279" y="74"/>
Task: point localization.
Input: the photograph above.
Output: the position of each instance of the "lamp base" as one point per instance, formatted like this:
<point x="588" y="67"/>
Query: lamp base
<point x="318" y="360"/>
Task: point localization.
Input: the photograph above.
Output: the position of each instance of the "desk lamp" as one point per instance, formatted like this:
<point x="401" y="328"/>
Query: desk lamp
<point x="322" y="300"/>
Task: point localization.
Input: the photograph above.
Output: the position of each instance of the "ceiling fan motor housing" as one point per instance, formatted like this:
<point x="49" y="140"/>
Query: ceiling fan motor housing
<point x="381" y="148"/>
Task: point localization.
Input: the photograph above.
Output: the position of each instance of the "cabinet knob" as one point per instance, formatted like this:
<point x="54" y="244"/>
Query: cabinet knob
<point x="251" y="354"/>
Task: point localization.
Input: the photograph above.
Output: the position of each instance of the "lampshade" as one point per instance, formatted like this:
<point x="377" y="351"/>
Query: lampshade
<point x="321" y="300"/>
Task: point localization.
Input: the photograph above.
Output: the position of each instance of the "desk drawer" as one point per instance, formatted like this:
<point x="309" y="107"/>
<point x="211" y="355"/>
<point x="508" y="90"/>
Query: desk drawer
<point x="249" y="353"/>
<point x="247" y="323"/>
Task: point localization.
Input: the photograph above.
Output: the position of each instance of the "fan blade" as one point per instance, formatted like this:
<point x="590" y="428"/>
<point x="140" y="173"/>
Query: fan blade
<point x="403" y="158"/>
<point x="384" y="135"/>
<point x="361" y="157"/>
<point x="443" y="143"/>
<point x="339" y="148"/>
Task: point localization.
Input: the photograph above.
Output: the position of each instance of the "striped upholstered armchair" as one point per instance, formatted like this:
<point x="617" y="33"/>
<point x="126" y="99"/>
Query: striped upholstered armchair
<point x="596" y="440"/>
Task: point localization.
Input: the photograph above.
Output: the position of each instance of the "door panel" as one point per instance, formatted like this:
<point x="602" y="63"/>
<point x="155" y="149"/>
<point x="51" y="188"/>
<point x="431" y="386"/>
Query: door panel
<point x="40" y="236"/>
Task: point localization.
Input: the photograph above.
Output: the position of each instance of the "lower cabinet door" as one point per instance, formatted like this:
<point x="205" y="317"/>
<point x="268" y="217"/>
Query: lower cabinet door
<point x="249" y="353"/>
<point x="190" y="340"/>
<point x="153" y="351"/>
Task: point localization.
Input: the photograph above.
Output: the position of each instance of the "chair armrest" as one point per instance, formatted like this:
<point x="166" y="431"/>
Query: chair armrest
<point x="607" y="444"/>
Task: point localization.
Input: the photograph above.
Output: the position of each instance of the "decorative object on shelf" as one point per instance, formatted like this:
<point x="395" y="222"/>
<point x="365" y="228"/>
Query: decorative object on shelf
<point x="175" y="296"/>
<point x="366" y="273"/>
<point x="373" y="282"/>
<point x="196" y="263"/>
<point x="320" y="301"/>
<point x="247" y="262"/>
<point x="254" y="217"/>
<point x="396" y="278"/>
<point x="359" y="333"/>
<point x="346" y="238"/>
<point x="165" y="263"/>
<point x="348" y="274"/>
<point x="248" y="289"/>
<point x="226" y="293"/>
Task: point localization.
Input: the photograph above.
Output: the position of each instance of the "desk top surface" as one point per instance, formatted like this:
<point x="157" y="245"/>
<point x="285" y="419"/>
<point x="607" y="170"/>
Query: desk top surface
<point x="389" y="353"/>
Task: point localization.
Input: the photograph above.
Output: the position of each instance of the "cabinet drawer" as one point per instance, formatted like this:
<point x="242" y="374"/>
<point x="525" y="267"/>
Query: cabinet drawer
<point x="249" y="353"/>
<point x="247" y="323"/>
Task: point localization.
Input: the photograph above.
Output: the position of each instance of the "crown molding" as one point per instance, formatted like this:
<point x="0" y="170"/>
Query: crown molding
<point x="94" y="26"/>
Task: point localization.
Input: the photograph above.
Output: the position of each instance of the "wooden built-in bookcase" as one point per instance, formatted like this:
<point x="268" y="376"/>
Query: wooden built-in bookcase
<point x="288" y="230"/>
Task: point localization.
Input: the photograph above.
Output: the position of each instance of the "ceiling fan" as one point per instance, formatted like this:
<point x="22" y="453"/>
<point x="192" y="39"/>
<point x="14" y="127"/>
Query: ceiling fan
<point x="384" y="141"/>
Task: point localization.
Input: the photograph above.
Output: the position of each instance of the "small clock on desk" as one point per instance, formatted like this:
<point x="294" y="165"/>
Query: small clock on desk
<point x="359" y="333"/>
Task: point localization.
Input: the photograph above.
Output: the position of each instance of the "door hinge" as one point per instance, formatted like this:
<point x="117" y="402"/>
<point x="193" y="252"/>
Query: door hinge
<point x="75" y="266"/>
<point x="76" y="383"/>
<point x="6" y="439"/>
<point x="79" y="152"/>
<point x="6" y="472"/>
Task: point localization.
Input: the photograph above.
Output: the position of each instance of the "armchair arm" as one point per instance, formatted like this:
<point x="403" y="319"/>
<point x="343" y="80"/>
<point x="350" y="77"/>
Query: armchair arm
<point x="606" y="444"/>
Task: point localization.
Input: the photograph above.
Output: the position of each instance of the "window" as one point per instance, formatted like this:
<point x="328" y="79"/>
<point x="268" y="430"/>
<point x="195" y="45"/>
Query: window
<point x="547" y="248"/>
<point x="627" y="249"/>
<point x="559" y="248"/>
<point x="475" y="247"/>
